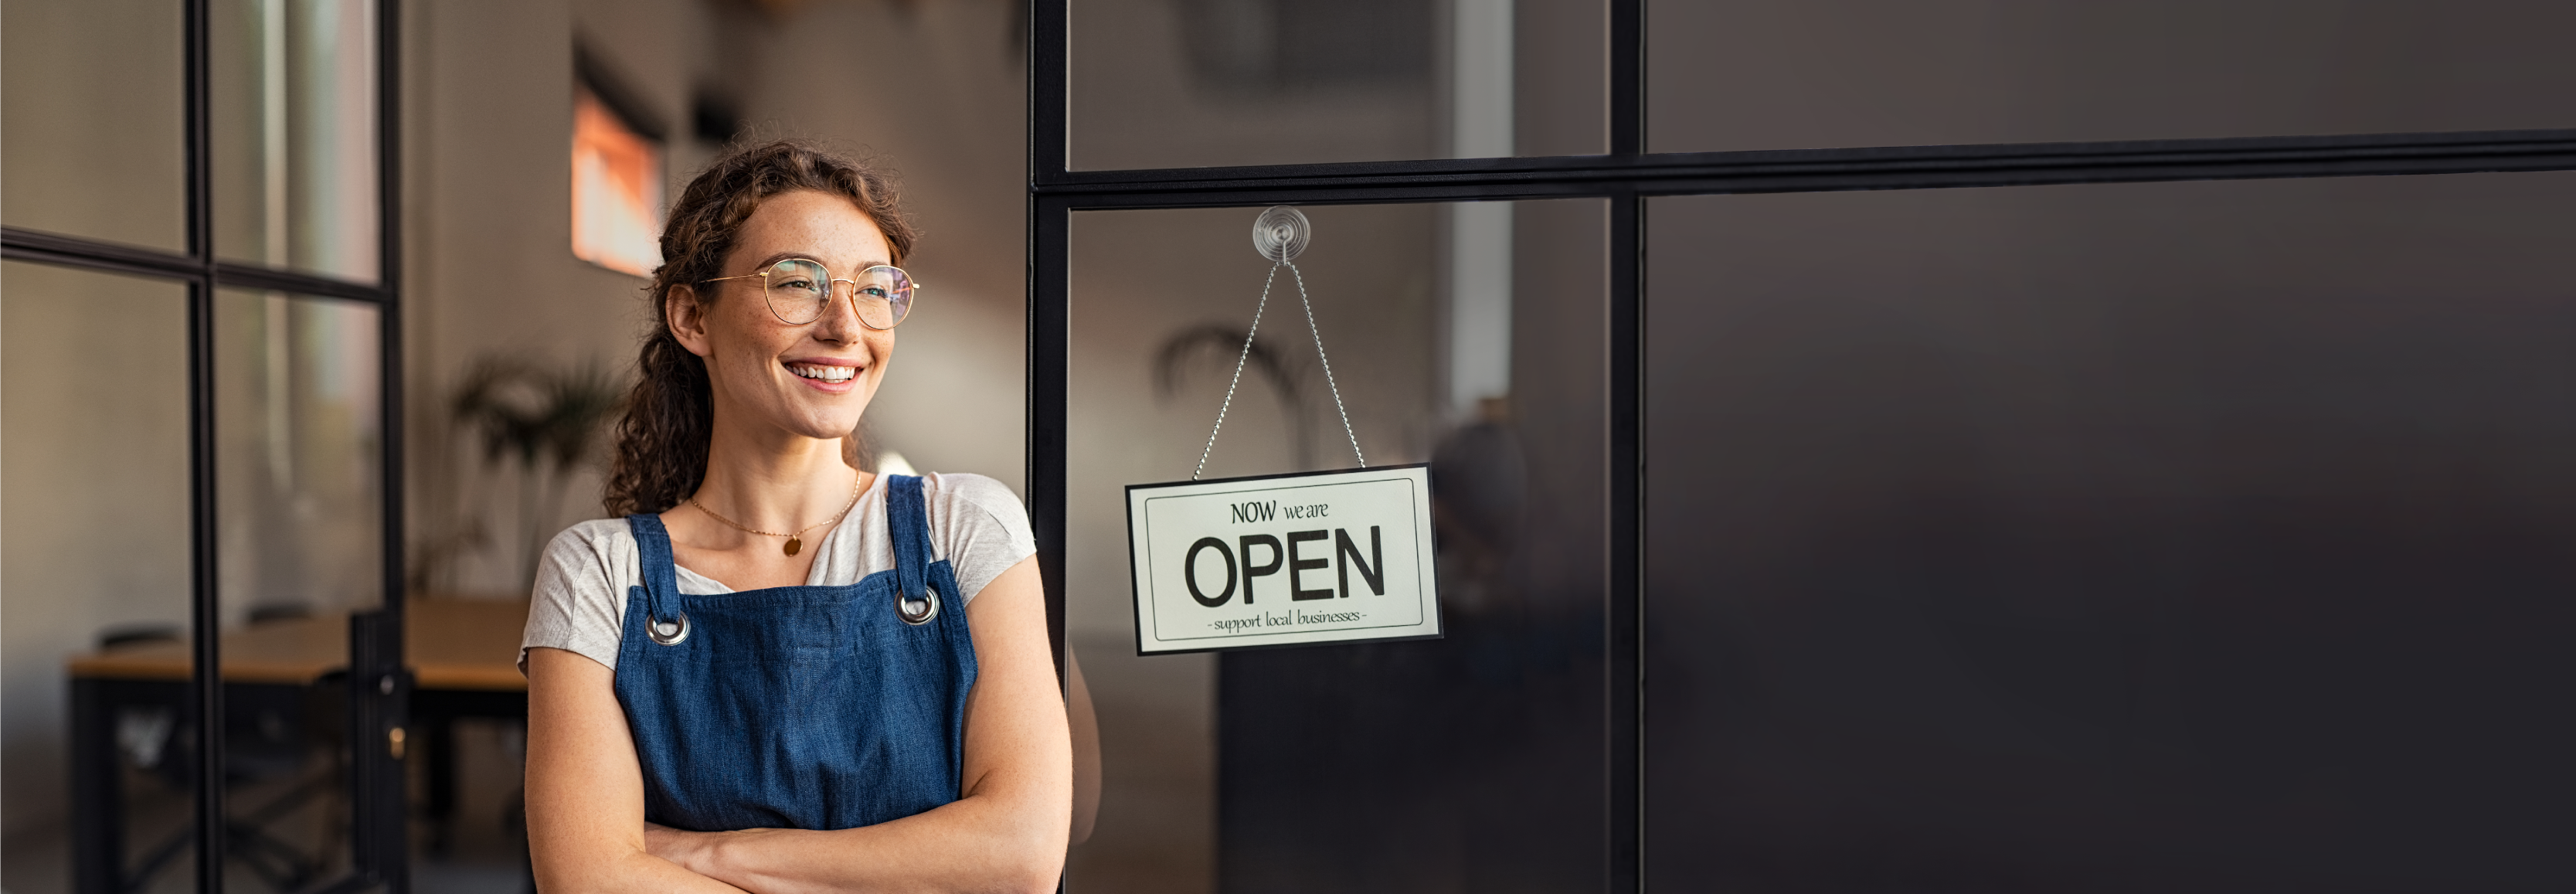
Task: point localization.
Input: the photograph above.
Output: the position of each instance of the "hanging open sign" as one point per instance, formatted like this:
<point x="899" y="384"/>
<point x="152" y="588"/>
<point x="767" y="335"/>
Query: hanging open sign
<point x="1315" y="557"/>
<point x="1283" y="560"/>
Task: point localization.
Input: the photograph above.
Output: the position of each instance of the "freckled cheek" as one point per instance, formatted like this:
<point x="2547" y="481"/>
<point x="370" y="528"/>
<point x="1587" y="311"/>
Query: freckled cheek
<point x="761" y="343"/>
<point x="755" y="358"/>
<point x="881" y="349"/>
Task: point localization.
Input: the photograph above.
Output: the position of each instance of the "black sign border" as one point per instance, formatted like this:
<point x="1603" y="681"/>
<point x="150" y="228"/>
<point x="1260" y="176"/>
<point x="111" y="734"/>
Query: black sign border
<point x="1136" y="621"/>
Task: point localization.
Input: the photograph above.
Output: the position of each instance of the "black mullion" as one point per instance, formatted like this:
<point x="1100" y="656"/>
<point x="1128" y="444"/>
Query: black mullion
<point x="66" y="251"/>
<point x="2140" y="171"/>
<point x="247" y="276"/>
<point x="1627" y="77"/>
<point x="1624" y="681"/>
<point x="1883" y="167"/>
<point x="1049" y="30"/>
<point x="378" y="802"/>
<point x="83" y="261"/>
<point x="1049" y="377"/>
<point x="197" y="76"/>
<point x="1385" y="191"/>
<point x="1050" y="373"/>
<point x="1398" y="189"/>
<point x="38" y="245"/>
<point x="205" y="612"/>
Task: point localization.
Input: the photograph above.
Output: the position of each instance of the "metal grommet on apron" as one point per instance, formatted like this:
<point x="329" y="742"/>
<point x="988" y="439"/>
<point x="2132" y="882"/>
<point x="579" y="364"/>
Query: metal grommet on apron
<point x="916" y="599"/>
<point x="666" y="629"/>
<point x="669" y="632"/>
<point x="916" y="611"/>
<point x="816" y="707"/>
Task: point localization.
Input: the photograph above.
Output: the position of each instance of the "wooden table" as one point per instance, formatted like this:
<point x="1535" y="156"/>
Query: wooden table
<point x="463" y="655"/>
<point x="450" y="644"/>
<point x="460" y="668"/>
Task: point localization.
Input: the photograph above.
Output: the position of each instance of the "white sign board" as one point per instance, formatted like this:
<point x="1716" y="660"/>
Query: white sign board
<point x="1282" y="560"/>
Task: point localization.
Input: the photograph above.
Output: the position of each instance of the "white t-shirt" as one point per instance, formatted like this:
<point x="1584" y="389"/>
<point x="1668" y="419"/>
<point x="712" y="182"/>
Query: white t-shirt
<point x="976" y="524"/>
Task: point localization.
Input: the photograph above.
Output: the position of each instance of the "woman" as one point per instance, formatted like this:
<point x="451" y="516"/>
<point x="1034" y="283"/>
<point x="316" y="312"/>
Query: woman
<point x="719" y="699"/>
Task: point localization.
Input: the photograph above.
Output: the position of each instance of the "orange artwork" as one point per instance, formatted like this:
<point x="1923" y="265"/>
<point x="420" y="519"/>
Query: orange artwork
<point x="616" y="190"/>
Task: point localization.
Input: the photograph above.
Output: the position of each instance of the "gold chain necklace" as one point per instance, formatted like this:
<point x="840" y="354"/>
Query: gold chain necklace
<point x="795" y="541"/>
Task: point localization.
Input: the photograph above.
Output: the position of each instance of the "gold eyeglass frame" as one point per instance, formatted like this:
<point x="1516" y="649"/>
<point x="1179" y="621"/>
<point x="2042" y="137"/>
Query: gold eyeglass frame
<point x="834" y="285"/>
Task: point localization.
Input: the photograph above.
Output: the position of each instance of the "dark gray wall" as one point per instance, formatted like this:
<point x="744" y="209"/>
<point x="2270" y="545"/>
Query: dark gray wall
<point x="1473" y="762"/>
<point x="2208" y="536"/>
<point x="1795" y="74"/>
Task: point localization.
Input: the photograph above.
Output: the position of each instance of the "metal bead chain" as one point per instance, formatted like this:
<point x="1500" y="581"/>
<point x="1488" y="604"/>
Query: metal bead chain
<point x="1246" y="354"/>
<point x="1238" y="372"/>
<point x="1328" y="366"/>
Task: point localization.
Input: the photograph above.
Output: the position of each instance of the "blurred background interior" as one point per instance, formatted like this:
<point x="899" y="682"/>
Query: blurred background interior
<point x="540" y="143"/>
<point x="2170" y="531"/>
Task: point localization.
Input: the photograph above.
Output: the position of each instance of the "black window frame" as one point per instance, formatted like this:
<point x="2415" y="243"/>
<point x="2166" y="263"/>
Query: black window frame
<point x="378" y="838"/>
<point x="1624" y="176"/>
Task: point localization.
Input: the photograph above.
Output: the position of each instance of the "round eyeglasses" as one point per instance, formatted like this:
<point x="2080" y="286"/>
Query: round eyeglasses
<point x="799" y="290"/>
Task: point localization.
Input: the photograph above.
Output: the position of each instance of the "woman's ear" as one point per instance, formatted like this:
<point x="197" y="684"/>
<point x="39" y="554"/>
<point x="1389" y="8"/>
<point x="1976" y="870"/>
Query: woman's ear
<point x="687" y="318"/>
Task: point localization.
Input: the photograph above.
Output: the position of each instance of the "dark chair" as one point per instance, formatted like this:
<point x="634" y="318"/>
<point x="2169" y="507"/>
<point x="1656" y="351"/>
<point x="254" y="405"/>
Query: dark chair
<point x="143" y="734"/>
<point x="121" y="636"/>
<point x="271" y="732"/>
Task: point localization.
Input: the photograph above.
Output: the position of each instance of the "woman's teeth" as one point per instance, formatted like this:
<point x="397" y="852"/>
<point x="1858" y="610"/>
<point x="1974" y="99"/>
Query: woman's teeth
<point x="824" y="373"/>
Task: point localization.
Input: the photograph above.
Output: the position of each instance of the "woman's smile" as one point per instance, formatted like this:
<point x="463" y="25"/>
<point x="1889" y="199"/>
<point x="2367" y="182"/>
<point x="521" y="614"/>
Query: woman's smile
<point x="825" y="374"/>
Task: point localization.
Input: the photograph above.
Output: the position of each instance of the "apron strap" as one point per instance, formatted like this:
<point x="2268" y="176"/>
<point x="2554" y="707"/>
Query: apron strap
<point x="660" y="580"/>
<point x="908" y="517"/>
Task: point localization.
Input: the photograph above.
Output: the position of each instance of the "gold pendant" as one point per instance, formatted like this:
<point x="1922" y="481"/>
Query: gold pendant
<point x="794" y="544"/>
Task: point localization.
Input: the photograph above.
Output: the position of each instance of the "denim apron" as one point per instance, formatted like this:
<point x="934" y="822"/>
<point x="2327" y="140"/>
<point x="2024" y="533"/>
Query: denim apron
<point x="798" y="707"/>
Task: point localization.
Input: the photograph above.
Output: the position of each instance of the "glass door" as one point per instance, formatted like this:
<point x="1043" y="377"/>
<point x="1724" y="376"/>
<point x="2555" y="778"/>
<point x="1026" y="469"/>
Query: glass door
<point x="1468" y="336"/>
<point x="299" y="553"/>
<point x="200" y="579"/>
<point x="2197" y="535"/>
<point x="2170" y="500"/>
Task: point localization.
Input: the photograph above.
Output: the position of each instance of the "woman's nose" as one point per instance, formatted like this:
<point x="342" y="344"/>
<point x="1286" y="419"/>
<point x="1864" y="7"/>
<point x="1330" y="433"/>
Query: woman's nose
<point x="840" y="320"/>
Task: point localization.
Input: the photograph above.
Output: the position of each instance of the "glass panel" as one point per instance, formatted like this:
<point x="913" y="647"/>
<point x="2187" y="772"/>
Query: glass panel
<point x="1783" y="74"/>
<point x="299" y="494"/>
<point x="294" y="94"/>
<point x="2192" y="536"/>
<point x="1187" y="83"/>
<point x="91" y="135"/>
<point x="1468" y="336"/>
<point x="94" y="583"/>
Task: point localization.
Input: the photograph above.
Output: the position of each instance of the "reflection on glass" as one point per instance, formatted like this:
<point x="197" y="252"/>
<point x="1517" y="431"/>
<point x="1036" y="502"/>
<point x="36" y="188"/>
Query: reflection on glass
<point x="1789" y="74"/>
<point x="294" y="133"/>
<point x="90" y="124"/>
<point x="95" y="572"/>
<point x="1156" y="83"/>
<point x="2185" y="536"/>
<point x="299" y="496"/>
<point x="1335" y="767"/>
<point x="297" y="441"/>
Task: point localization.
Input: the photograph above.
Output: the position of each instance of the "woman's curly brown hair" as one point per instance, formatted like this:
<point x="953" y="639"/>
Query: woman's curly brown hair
<point x="670" y="416"/>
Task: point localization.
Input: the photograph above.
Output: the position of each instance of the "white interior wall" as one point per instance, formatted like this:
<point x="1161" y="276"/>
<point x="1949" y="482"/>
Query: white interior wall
<point x="119" y="177"/>
<point x="942" y="106"/>
<point x="93" y="468"/>
<point x="93" y="500"/>
<point x="488" y="265"/>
